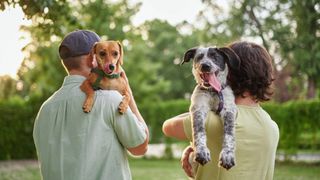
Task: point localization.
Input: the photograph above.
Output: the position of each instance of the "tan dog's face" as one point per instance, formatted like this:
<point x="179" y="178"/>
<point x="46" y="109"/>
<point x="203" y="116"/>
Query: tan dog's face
<point x="109" y="55"/>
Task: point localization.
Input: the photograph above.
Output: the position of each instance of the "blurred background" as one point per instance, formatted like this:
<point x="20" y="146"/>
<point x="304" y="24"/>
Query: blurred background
<point x="155" y="35"/>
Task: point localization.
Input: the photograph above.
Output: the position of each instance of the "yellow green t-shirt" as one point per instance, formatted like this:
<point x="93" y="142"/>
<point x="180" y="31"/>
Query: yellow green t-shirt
<point x="257" y="137"/>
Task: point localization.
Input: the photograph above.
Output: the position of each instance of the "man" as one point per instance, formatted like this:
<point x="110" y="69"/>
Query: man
<point x="257" y="135"/>
<point x="74" y="145"/>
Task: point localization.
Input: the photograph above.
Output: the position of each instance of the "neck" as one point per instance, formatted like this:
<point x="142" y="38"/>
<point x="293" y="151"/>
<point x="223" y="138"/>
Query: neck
<point x="247" y="100"/>
<point x="81" y="73"/>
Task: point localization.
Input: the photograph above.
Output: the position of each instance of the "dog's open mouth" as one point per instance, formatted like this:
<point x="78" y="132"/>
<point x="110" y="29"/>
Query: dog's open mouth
<point x="210" y="80"/>
<point x="109" y="68"/>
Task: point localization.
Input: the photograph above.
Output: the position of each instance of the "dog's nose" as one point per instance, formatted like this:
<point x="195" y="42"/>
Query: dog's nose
<point x="111" y="67"/>
<point x="205" y="67"/>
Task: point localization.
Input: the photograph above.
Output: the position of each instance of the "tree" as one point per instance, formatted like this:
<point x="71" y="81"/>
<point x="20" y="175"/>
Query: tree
<point x="8" y="87"/>
<point x="288" y="31"/>
<point x="306" y="47"/>
<point x="41" y="71"/>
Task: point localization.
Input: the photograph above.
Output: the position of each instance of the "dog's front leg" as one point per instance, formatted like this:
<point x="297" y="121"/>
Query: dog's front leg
<point x="125" y="102"/>
<point x="199" y="110"/>
<point x="124" y="90"/>
<point x="227" y="155"/>
<point x="88" y="90"/>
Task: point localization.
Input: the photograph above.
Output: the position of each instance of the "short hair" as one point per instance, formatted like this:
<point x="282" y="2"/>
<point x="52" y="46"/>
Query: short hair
<point x="72" y="63"/>
<point x="255" y="74"/>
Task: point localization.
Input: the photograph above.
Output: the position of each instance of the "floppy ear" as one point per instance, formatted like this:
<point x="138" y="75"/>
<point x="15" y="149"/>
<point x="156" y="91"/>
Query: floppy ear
<point x="233" y="59"/>
<point x="92" y="56"/>
<point x="121" y="53"/>
<point x="189" y="55"/>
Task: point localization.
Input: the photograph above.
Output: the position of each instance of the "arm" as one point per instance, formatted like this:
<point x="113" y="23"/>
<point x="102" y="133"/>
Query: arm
<point x="186" y="166"/>
<point x="173" y="127"/>
<point x="142" y="148"/>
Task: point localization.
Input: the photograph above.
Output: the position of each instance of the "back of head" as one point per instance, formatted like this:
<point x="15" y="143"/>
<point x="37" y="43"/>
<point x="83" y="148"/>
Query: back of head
<point x="255" y="74"/>
<point x="75" y="45"/>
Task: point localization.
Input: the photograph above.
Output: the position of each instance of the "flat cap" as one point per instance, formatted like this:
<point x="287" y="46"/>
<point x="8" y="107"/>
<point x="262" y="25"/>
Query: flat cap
<point x="77" y="43"/>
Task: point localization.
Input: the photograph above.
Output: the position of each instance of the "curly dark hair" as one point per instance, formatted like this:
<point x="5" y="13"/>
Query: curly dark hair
<point x="255" y="74"/>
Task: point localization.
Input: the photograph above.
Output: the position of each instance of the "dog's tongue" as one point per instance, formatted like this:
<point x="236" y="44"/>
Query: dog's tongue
<point x="212" y="80"/>
<point x="107" y="69"/>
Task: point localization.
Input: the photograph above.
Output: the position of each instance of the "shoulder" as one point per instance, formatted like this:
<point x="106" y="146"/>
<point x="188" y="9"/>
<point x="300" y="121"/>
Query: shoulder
<point x="109" y="95"/>
<point x="270" y="120"/>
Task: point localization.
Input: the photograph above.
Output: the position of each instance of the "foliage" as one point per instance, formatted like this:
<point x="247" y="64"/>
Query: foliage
<point x="8" y="87"/>
<point x="16" y="124"/>
<point x="151" y="56"/>
<point x="111" y="20"/>
<point x="298" y="123"/>
<point x="286" y="29"/>
<point x="153" y="51"/>
<point x="155" y="114"/>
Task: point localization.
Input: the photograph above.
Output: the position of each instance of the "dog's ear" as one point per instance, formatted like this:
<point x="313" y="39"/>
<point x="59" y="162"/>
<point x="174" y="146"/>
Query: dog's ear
<point x="189" y="55"/>
<point x="92" y="54"/>
<point x="120" y="61"/>
<point x="233" y="59"/>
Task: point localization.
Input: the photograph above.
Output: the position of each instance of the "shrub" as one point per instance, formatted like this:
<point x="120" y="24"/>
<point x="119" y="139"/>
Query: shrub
<point x="298" y="121"/>
<point x="299" y="124"/>
<point x="16" y="125"/>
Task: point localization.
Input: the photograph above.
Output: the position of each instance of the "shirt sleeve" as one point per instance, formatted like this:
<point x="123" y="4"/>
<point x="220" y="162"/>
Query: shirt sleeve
<point x="130" y="131"/>
<point x="187" y="127"/>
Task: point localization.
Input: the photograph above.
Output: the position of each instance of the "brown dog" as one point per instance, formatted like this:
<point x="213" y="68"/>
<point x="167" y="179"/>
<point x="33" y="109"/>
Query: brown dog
<point x="107" y="75"/>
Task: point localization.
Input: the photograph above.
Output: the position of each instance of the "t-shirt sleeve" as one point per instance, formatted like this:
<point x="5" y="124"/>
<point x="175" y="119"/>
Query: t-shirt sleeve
<point x="187" y="127"/>
<point x="130" y="131"/>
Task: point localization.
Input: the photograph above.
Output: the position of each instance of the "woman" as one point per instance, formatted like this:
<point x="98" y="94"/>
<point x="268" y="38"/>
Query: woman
<point x="257" y="135"/>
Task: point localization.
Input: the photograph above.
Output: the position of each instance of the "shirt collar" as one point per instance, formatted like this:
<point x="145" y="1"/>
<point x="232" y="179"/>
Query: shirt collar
<point x="73" y="79"/>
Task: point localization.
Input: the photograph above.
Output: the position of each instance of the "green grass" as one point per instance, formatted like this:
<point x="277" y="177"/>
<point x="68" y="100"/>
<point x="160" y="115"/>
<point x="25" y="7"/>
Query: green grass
<point x="297" y="171"/>
<point x="156" y="169"/>
<point x="19" y="170"/>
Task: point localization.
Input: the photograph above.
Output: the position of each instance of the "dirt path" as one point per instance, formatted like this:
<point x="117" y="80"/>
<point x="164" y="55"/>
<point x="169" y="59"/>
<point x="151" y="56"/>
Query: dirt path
<point x="18" y="164"/>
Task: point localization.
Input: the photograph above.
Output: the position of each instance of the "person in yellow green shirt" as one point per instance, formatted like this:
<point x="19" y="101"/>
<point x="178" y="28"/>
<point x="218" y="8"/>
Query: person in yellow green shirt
<point x="257" y="135"/>
<point x="73" y="145"/>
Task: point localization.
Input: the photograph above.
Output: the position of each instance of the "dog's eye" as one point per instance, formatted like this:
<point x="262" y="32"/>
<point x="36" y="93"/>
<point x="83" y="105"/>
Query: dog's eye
<point x="199" y="57"/>
<point x="115" y="53"/>
<point x="212" y="54"/>
<point x="102" y="53"/>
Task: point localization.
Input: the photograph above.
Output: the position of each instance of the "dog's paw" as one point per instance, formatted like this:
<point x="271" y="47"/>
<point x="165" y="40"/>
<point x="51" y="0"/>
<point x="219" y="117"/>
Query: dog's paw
<point x="202" y="155"/>
<point x="227" y="159"/>
<point x="122" y="108"/>
<point x="86" y="109"/>
<point x="87" y="106"/>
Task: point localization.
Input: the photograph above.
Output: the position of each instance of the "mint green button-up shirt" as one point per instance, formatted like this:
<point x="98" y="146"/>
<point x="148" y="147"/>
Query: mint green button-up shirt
<point x="73" y="145"/>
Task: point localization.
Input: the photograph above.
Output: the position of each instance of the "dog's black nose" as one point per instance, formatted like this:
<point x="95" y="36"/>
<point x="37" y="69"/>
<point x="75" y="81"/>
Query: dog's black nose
<point x="111" y="67"/>
<point x="205" y="67"/>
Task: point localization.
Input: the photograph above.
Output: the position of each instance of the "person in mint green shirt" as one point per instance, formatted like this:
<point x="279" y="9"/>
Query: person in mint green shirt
<point x="256" y="134"/>
<point x="73" y="145"/>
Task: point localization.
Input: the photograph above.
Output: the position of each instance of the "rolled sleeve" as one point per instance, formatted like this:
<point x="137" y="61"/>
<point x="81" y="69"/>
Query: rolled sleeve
<point x="130" y="131"/>
<point x="187" y="127"/>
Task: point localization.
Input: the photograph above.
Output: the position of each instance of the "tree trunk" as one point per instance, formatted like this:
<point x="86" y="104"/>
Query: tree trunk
<point x="311" y="91"/>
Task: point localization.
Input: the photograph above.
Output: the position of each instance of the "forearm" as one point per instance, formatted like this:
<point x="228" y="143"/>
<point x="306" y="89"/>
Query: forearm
<point x="173" y="127"/>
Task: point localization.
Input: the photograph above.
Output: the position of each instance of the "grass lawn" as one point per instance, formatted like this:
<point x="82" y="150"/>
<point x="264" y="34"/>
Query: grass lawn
<point x="157" y="170"/>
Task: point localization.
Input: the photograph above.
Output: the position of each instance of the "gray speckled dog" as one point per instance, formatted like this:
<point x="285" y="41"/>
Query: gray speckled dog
<point x="210" y="69"/>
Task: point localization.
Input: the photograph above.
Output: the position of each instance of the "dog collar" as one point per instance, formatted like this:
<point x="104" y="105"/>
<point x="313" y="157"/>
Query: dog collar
<point x="220" y="105"/>
<point x="101" y="74"/>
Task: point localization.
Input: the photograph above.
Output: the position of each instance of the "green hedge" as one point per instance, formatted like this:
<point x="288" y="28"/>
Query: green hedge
<point x="299" y="124"/>
<point x="16" y="125"/>
<point x="155" y="114"/>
